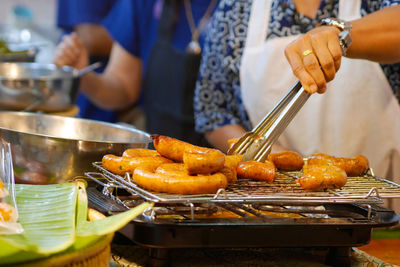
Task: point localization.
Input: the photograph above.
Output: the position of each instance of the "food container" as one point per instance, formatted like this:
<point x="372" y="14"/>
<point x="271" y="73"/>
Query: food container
<point x="53" y="149"/>
<point x="36" y="86"/>
<point x="20" y="56"/>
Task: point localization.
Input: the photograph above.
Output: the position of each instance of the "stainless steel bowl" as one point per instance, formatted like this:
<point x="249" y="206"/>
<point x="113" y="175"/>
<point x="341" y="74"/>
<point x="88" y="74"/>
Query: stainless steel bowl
<point x="36" y="86"/>
<point x="53" y="149"/>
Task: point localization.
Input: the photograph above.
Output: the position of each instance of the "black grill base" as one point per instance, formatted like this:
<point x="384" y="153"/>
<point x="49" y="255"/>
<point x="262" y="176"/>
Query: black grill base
<point x="347" y="226"/>
<point x="231" y="235"/>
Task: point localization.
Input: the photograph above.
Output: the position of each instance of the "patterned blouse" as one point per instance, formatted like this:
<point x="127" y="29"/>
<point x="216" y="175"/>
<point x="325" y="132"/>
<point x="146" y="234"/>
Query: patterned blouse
<point x="218" y="99"/>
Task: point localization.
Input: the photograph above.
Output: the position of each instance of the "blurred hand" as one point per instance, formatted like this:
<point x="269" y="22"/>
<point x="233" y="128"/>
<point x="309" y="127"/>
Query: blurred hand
<point x="315" y="57"/>
<point x="71" y="52"/>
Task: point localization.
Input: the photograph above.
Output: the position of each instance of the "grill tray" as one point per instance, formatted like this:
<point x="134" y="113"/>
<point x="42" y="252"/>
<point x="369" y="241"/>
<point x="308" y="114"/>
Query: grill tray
<point x="367" y="189"/>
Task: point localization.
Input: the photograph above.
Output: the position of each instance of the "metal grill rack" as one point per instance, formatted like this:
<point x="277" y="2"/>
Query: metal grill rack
<point x="283" y="191"/>
<point x="252" y="214"/>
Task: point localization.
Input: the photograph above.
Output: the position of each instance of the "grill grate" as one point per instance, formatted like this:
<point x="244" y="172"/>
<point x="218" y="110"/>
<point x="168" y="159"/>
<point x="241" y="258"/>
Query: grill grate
<point x="283" y="191"/>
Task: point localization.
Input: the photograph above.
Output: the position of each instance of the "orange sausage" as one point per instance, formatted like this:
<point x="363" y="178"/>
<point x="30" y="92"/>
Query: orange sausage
<point x="172" y="169"/>
<point x="230" y="167"/>
<point x="232" y="141"/>
<point x="198" y="160"/>
<point x="287" y="161"/>
<point x="353" y="166"/>
<point x="148" y="178"/>
<point x="121" y="165"/>
<point x="319" y="177"/>
<point x="203" y="162"/>
<point x="264" y="171"/>
<point x="230" y="174"/>
<point x="140" y="152"/>
<point x="170" y="147"/>
<point x="233" y="160"/>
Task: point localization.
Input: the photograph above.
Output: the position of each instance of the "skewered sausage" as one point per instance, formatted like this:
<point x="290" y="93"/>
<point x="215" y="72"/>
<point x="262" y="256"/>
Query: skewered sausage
<point x="255" y="170"/>
<point x="149" y="178"/>
<point x="287" y="161"/>
<point x="121" y="165"/>
<point x="353" y="166"/>
<point x="319" y="177"/>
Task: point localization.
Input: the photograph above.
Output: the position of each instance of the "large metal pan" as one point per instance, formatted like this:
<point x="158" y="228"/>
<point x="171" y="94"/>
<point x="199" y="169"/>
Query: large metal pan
<point x="53" y="149"/>
<point x="35" y="86"/>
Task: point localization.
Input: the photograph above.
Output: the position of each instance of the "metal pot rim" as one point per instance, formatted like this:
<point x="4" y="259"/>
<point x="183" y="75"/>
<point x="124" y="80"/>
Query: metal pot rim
<point x="69" y="72"/>
<point x="112" y="125"/>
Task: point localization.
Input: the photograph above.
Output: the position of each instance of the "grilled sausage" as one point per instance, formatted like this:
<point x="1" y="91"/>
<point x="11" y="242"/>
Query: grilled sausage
<point x="198" y="160"/>
<point x="170" y="147"/>
<point x="319" y="177"/>
<point x="172" y="169"/>
<point x="230" y="174"/>
<point x="287" y="161"/>
<point x="255" y="170"/>
<point x="353" y="166"/>
<point x="233" y="160"/>
<point x="121" y="165"/>
<point x="149" y="178"/>
<point x="140" y="152"/>
<point x="232" y="141"/>
<point x="203" y="161"/>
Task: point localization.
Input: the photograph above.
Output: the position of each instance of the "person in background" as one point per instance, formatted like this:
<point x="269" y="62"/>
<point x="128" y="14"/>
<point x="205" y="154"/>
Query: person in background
<point x="84" y="18"/>
<point x="157" y="47"/>
<point x="256" y="50"/>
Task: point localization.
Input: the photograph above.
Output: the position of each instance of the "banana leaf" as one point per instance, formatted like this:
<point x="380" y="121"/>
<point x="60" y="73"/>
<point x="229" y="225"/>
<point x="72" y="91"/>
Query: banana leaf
<point x="54" y="218"/>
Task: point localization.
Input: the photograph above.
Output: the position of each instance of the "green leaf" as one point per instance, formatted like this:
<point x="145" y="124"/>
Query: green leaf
<point x="47" y="214"/>
<point x="107" y="225"/>
<point x="54" y="218"/>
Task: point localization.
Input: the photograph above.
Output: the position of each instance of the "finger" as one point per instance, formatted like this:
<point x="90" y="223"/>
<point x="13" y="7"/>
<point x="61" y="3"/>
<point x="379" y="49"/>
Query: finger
<point x="325" y="59"/>
<point x="76" y="41"/>
<point x="311" y="64"/>
<point x="64" y="56"/>
<point x="73" y="45"/>
<point x="61" y="61"/>
<point x="336" y="51"/>
<point x="299" y="71"/>
<point x="69" y="52"/>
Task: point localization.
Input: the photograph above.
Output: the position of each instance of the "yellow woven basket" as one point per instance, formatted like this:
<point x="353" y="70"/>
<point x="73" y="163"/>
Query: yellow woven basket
<point x="95" y="255"/>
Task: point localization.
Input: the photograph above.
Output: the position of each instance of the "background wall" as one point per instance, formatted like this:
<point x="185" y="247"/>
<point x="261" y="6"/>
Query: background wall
<point x="44" y="10"/>
<point x="43" y="26"/>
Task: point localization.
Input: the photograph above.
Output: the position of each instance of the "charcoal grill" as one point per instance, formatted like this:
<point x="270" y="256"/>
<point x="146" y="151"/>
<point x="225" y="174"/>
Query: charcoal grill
<point x="253" y="214"/>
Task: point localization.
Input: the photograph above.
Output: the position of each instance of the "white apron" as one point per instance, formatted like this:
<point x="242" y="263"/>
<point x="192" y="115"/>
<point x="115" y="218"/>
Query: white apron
<point x="357" y="115"/>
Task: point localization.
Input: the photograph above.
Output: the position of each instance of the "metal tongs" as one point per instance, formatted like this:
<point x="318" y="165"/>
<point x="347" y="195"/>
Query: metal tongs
<point x="256" y="145"/>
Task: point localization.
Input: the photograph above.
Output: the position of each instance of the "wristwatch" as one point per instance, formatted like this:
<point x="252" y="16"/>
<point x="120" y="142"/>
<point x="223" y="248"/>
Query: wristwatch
<point x="345" y="31"/>
<point x="342" y="25"/>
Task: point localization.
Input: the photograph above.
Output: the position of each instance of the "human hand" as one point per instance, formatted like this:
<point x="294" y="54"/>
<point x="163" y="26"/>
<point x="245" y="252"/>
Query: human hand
<point x="71" y="52"/>
<point x="315" y="57"/>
